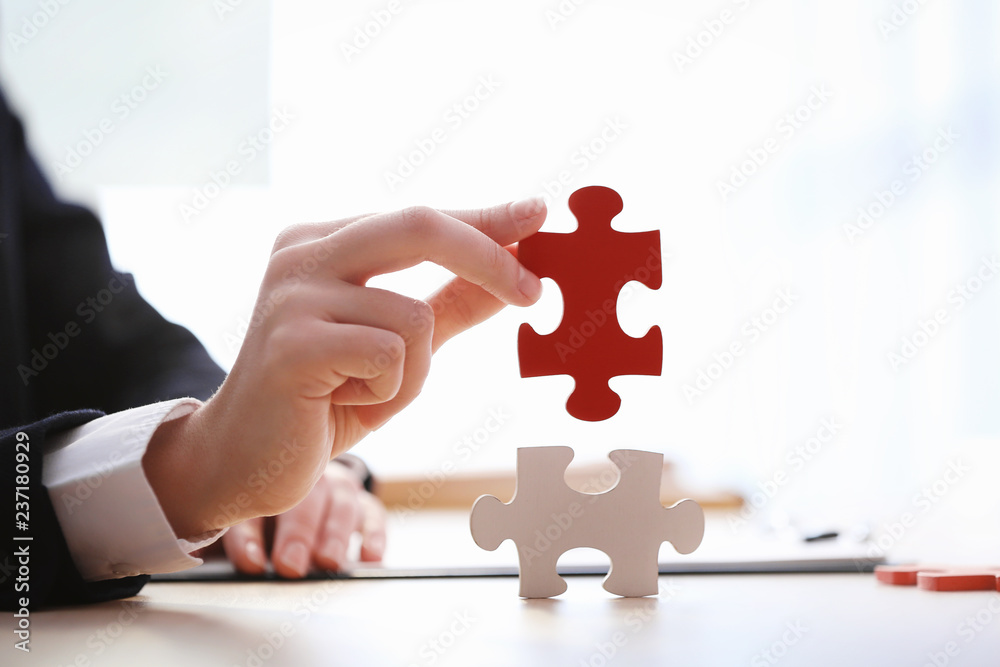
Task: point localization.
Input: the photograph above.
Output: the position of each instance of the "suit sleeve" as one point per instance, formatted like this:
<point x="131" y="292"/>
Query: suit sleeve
<point x="79" y="341"/>
<point x="115" y="351"/>
<point x="36" y="568"/>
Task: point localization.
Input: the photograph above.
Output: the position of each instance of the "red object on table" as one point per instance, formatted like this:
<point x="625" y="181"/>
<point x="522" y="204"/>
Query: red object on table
<point x="940" y="577"/>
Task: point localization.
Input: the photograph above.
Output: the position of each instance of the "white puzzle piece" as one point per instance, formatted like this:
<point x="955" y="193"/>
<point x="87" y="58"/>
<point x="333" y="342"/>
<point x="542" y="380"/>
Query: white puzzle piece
<point x="546" y="518"/>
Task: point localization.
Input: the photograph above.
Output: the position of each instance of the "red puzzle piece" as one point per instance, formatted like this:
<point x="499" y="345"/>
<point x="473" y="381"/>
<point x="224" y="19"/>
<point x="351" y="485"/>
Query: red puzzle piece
<point x="591" y="265"/>
<point x="940" y="577"/>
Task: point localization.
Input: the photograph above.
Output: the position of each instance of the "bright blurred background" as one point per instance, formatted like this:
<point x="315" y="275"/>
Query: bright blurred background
<point x="809" y="111"/>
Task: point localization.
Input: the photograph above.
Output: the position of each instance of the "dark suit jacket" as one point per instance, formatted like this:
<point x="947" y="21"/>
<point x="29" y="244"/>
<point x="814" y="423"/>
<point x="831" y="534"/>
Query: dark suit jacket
<point x="76" y="341"/>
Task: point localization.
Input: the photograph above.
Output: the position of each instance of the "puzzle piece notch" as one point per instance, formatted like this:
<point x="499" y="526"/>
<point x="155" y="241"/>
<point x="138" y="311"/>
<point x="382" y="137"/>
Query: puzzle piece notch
<point x="940" y="577"/>
<point x="591" y="265"/>
<point x="546" y="518"/>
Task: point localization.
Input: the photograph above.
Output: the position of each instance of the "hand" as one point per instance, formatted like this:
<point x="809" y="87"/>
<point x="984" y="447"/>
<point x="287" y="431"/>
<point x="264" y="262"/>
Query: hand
<point x="316" y="532"/>
<point x="327" y="359"/>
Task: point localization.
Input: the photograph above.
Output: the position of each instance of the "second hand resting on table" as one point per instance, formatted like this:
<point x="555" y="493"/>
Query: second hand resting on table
<point x="326" y="361"/>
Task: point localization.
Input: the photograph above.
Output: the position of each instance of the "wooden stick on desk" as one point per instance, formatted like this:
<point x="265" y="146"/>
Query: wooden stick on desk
<point x="461" y="490"/>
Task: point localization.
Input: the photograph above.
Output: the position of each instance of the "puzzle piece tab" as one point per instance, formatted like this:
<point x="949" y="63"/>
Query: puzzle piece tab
<point x="591" y="265"/>
<point x="546" y="518"/>
<point x="940" y="577"/>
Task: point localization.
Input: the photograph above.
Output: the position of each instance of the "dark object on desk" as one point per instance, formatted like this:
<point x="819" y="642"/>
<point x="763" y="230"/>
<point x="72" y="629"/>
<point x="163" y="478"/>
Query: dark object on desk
<point x="829" y="535"/>
<point x="223" y="571"/>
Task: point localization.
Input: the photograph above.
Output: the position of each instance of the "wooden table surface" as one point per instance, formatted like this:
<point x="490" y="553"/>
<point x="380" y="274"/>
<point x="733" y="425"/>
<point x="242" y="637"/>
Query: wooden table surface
<point x="703" y="619"/>
<point x="815" y="619"/>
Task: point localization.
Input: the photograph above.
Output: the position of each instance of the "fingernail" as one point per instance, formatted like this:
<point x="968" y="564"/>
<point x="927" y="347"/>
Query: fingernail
<point x="334" y="550"/>
<point x="295" y="557"/>
<point x="376" y="544"/>
<point x="529" y="284"/>
<point x="255" y="554"/>
<point x="528" y="207"/>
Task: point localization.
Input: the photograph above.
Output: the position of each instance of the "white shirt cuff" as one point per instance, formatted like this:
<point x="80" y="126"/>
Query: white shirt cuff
<point x="110" y="516"/>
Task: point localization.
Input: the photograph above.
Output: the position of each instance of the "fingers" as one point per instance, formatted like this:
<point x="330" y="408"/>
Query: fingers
<point x="467" y="242"/>
<point x="317" y="531"/>
<point x="343" y="519"/>
<point x="372" y="528"/>
<point x="343" y="360"/>
<point x="459" y="305"/>
<point x="410" y="319"/>
<point x="352" y="510"/>
<point x="466" y="305"/>
<point x="310" y="231"/>
<point x="506" y="223"/>
<point x="244" y="546"/>
<point x="295" y="534"/>
<point x="394" y="241"/>
<point x="364" y="347"/>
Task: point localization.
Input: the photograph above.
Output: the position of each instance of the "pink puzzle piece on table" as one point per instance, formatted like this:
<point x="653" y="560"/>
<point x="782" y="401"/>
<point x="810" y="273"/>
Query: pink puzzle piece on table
<point x="591" y="265"/>
<point x="940" y="577"/>
<point x="546" y="518"/>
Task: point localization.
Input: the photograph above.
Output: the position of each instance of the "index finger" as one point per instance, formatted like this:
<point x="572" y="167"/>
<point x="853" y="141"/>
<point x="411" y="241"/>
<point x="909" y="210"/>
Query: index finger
<point x="505" y="223"/>
<point x="395" y="241"/>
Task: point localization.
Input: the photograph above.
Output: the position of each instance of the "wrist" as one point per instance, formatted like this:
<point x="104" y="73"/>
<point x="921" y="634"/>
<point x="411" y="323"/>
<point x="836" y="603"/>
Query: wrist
<point x="181" y="470"/>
